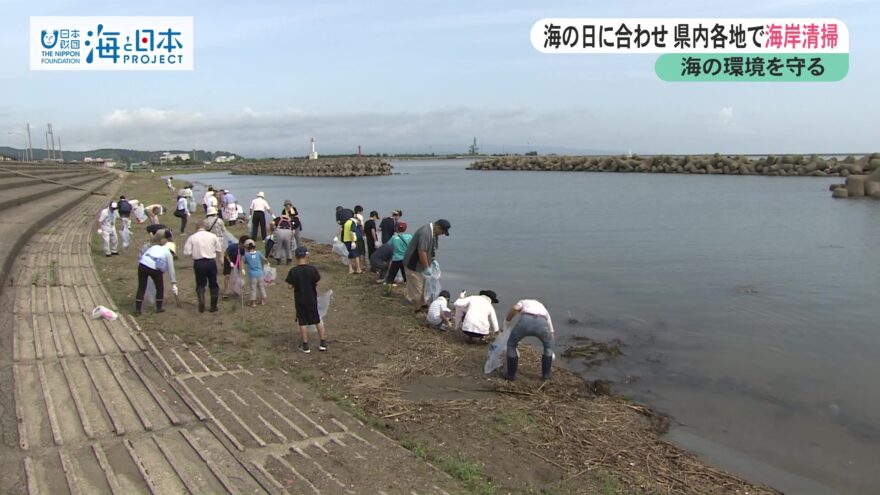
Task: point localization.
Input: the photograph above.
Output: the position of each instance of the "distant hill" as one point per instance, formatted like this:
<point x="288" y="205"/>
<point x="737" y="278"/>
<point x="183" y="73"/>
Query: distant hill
<point x="120" y="155"/>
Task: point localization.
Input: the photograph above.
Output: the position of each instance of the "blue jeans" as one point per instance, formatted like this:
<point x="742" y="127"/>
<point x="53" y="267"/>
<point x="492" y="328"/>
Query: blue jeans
<point x="534" y="326"/>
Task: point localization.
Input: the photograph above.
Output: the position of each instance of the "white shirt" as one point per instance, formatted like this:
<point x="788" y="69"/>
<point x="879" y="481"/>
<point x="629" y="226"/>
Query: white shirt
<point x="148" y="259"/>
<point x="436" y="310"/>
<point x="202" y="245"/>
<point x="478" y="313"/>
<point x="206" y="196"/>
<point x="211" y="201"/>
<point x="534" y="308"/>
<point x="107" y="218"/>
<point x="259" y="204"/>
<point x="181" y="205"/>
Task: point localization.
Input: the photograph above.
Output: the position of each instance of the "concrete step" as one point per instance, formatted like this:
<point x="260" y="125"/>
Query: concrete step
<point x="10" y="198"/>
<point x="59" y="176"/>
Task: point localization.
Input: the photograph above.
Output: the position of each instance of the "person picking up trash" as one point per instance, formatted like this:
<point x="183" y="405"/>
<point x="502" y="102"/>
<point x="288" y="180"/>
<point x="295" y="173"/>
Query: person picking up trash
<point x="534" y="321"/>
<point x="475" y="315"/>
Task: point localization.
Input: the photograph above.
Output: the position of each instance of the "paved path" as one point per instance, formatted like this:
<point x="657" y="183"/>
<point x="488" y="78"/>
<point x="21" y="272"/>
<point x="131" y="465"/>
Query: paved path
<point x="102" y="407"/>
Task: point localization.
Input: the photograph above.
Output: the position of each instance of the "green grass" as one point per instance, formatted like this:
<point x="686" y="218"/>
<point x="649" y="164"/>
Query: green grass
<point x="468" y="472"/>
<point x="416" y="446"/>
<point x="520" y="421"/>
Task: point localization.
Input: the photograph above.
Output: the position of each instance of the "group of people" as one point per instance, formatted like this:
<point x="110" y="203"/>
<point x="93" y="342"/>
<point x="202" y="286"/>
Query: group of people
<point x="383" y="245"/>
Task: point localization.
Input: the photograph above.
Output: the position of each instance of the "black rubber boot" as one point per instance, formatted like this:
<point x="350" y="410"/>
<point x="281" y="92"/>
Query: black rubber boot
<point x="137" y="306"/>
<point x="546" y="367"/>
<point x="512" y="364"/>
<point x="200" y="293"/>
<point x="214" y="297"/>
<point x="159" y="306"/>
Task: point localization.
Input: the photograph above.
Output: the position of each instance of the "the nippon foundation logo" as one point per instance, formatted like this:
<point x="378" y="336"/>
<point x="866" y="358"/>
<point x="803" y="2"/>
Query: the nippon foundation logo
<point x="111" y="43"/>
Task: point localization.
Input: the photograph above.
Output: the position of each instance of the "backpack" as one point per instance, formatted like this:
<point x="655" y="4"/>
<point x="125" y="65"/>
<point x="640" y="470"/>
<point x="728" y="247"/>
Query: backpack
<point x="124" y="207"/>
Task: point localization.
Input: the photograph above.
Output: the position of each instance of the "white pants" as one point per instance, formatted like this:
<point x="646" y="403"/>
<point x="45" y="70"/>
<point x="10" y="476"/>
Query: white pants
<point x="126" y="222"/>
<point x="111" y="241"/>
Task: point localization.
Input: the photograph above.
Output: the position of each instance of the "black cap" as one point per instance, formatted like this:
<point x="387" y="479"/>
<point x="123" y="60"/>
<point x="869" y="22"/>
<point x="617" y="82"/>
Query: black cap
<point x="491" y="295"/>
<point x="301" y="252"/>
<point x="444" y="225"/>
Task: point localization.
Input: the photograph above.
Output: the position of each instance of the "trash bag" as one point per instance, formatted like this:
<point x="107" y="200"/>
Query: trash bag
<point x="140" y="214"/>
<point x="230" y="239"/>
<point x="269" y="274"/>
<point x="103" y="312"/>
<point x="498" y="348"/>
<point x="324" y="303"/>
<point x="235" y="282"/>
<point x="432" y="282"/>
<point x="191" y="204"/>
<point x="126" y="238"/>
<point x="150" y="294"/>
<point x="340" y="249"/>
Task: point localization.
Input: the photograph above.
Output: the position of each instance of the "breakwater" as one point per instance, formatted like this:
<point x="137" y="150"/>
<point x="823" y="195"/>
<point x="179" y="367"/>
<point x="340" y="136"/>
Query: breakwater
<point x="322" y="167"/>
<point x="772" y="165"/>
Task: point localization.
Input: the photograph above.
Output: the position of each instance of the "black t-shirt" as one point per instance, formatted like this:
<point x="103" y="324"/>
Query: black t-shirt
<point x="387" y="225"/>
<point x="304" y="279"/>
<point x="369" y="229"/>
<point x="152" y="229"/>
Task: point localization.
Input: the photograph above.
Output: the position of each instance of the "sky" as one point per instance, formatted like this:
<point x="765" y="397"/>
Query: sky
<point x="419" y="77"/>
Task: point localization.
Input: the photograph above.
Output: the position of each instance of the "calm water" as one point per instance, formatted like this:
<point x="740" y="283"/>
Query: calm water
<point x="748" y="304"/>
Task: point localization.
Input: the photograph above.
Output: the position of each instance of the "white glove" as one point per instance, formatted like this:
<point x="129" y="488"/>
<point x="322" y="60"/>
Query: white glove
<point x="174" y="289"/>
<point x="463" y="294"/>
<point x="100" y="231"/>
<point x="354" y="245"/>
<point x="427" y="272"/>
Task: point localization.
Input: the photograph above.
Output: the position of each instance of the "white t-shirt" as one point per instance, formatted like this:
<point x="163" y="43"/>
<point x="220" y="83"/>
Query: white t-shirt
<point x="181" y="205"/>
<point x="436" y="310"/>
<point x="259" y="204"/>
<point x="211" y="201"/>
<point x="206" y="196"/>
<point x="478" y="313"/>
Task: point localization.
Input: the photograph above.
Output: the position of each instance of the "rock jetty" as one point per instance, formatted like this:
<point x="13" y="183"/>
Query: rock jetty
<point x="860" y="186"/>
<point x="783" y="165"/>
<point x="322" y="167"/>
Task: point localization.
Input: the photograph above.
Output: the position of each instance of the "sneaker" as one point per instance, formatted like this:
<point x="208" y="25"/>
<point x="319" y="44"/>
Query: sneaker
<point x="322" y="346"/>
<point x="304" y="347"/>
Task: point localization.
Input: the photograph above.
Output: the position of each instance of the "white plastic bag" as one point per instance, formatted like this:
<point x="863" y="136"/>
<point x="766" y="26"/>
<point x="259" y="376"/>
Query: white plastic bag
<point x="140" y="214"/>
<point x="432" y="282"/>
<point x="191" y="204"/>
<point x="150" y="293"/>
<point x="126" y="238"/>
<point x="235" y="281"/>
<point x="324" y="303"/>
<point x="340" y="249"/>
<point x="269" y="274"/>
<point x="498" y="348"/>
<point x="106" y="313"/>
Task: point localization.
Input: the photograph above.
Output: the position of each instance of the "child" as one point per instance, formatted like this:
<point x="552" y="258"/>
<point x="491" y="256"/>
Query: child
<point x="439" y="314"/>
<point x="400" y="240"/>
<point x="254" y="261"/>
<point x="304" y="278"/>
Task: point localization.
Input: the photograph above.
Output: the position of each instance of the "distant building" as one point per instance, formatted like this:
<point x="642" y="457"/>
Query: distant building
<point x="171" y="157"/>
<point x="224" y="158"/>
<point x="4" y="158"/>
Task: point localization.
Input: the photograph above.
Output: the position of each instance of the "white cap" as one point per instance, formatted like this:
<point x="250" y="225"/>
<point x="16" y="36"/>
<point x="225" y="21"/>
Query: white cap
<point x="113" y="205"/>
<point x="261" y="195"/>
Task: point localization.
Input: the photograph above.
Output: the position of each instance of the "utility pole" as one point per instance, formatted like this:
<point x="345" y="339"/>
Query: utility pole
<point x="60" y="153"/>
<point x="51" y="140"/>
<point x="30" y="146"/>
<point x="48" y="156"/>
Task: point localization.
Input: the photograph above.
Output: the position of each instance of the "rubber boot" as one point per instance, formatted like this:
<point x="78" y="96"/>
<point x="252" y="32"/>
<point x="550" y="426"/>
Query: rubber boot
<point x="159" y="306"/>
<point x="214" y="298"/>
<point x="512" y="364"/>
<point x="138" y="303"/>
<point x="546" y="367"/>
<point x="200" y="293"/>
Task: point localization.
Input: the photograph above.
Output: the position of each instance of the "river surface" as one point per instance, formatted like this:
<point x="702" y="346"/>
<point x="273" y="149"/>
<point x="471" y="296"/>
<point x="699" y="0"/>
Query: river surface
<point x="749" y="306"/>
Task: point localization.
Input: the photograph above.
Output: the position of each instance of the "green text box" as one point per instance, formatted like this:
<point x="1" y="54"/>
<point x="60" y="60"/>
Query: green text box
<point x="754" y="67"/>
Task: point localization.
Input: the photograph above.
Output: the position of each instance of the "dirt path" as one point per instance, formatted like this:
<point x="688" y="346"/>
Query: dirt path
<point x="102" y="407"/>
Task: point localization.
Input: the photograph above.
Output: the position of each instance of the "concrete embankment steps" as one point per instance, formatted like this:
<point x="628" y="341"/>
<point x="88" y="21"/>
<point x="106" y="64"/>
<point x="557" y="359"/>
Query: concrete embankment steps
<point x="18" y="180"/>
<point x="24" y="210"/>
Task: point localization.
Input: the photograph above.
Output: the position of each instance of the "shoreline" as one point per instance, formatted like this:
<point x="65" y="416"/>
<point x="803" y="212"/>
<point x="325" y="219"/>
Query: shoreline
<point x="426" y="389"/>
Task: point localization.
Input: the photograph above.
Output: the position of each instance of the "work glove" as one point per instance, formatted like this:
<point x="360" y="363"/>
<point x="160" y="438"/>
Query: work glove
<point x="462" y="295"/>
<point x="174" y="289"/>
<point x="354" y="245"/>
<point x="427" y="272"/>
<point x="100" y="231"/>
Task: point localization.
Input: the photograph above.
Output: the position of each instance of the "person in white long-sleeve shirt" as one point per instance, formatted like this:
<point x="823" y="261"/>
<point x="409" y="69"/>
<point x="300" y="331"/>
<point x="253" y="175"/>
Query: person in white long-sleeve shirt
<point x="155" y="261"/>
<point x="259" y="210"/>
<point x="107" y="229"/>
<point x="475" y="315"/>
